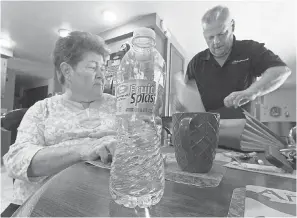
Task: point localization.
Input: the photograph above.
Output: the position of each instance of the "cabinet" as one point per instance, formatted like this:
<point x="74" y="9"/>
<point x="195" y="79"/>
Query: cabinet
<point x="278" y="109"/>
<point x="278" y="106"/>
<point x="3" y="76"/>
<point x="168" y="46"/>
<point x="5" y="55"/>
<point x="176" y="65"/>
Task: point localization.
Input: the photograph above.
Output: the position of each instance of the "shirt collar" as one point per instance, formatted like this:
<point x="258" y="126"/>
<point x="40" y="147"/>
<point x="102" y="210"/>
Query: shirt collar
<point x="207" y="54"/>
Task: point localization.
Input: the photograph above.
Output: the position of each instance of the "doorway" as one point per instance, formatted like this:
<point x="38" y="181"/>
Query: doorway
<point x="28" y="90"/>
<point x="31" y="96"/>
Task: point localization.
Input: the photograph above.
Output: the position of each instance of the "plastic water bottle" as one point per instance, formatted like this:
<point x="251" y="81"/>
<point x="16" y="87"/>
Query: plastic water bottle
<point x="137" y="170"/>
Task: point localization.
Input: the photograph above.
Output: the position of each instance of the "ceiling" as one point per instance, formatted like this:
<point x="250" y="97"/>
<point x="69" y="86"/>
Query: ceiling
<point x="33" y="25"/>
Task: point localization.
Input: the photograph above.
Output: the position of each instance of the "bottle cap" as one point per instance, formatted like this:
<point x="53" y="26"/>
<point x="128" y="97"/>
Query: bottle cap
<point x="144" y="32"/>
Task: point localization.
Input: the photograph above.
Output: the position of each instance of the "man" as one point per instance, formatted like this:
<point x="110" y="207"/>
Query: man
<point x="226" y="72"/>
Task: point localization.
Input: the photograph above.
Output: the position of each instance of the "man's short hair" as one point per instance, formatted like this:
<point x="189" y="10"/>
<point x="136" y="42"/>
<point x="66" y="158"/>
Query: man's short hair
<point x="216" y="13"/>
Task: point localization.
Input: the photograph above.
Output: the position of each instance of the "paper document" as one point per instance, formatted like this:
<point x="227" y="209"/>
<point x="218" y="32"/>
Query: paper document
<point x="269" y="202"/>
<point x="188" y="94"/>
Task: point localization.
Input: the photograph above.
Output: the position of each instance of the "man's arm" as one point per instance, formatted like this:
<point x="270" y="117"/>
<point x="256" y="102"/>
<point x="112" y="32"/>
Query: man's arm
<point x="190" y="82"/>
<point x="265" y="64"/>
<point x="189" y="77"/>
<point x="177" y="105"/>
<point x="271" y="80"/>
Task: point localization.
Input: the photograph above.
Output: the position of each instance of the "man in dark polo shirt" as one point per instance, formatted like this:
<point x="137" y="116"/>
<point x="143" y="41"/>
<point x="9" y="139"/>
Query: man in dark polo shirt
<point x="226" y="72"/>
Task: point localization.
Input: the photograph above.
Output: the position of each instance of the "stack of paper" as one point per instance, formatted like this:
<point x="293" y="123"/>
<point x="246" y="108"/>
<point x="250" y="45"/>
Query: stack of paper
<point x="247" y="134"/>
<point x="263" y="169"/>
<point x="269" y="202"/>
<point x="258" y="136"/>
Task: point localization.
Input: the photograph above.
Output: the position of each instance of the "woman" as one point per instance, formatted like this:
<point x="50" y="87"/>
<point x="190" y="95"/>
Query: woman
<point x="62" y="130"/>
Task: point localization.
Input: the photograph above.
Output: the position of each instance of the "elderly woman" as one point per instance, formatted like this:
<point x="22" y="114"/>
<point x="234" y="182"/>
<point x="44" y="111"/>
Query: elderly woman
<point x="62" y="130"/>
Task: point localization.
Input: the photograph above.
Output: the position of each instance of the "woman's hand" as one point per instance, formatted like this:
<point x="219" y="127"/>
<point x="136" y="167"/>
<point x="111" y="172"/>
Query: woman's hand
<point x="103" y="147"/>
<point x="53" y="159"/>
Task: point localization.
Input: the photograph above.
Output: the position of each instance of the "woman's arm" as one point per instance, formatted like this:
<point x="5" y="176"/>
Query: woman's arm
<point x="31" y="160"/>
<point x="30" y="139"/>
<point x="51" y="160"/>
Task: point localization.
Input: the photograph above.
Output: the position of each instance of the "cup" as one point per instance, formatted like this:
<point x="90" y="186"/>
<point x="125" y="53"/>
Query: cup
<point x="195" y="139"/>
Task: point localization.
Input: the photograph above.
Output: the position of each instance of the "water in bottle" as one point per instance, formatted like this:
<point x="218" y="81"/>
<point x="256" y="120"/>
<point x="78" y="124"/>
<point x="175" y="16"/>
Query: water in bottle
<point x="137" y="171"/>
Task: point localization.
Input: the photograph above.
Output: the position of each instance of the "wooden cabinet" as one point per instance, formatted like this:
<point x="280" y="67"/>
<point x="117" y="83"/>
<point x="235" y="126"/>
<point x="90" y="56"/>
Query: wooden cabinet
<point x="176" y="65"/>
<point x="3" y="76"/>
<point x="169" y="48"/>
<point x="6" y="53"/>
<point x="278" y="106"/>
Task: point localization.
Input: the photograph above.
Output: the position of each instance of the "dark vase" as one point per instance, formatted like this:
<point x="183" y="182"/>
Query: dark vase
<point x="195" y="139"/>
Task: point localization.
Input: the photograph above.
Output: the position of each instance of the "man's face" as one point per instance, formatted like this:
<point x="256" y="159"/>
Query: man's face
<point x="219" y="37"/>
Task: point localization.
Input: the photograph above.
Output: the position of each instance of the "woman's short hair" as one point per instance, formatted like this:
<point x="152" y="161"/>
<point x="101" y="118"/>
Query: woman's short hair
<point x="71" y="49"/>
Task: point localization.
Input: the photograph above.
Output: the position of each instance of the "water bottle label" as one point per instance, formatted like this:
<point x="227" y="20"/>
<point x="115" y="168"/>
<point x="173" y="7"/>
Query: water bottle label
<point x="136" y="96"/>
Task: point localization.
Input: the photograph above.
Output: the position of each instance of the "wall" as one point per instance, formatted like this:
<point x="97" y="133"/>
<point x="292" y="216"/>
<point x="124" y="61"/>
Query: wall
<point x="57" y="87"/>
<point x="51" y="85"/>
<point x="291" y="62"/>
<point x="31" y="68"/>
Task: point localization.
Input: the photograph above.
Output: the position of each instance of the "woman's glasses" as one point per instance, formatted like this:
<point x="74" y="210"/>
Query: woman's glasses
<point x="101" y="68"/>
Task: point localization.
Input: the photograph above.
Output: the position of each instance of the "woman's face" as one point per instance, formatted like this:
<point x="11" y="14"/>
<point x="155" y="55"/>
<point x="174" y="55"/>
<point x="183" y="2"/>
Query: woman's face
<point x="88" y="77"/>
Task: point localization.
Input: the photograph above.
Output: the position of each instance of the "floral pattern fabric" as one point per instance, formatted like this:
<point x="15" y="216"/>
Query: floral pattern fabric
<point x="54" y="121"/>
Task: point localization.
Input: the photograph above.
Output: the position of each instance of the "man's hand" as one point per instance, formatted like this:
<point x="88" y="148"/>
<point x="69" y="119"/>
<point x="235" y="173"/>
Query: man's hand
<point x="177" y="106"/>
<point x="237" y="99"/>
<point x="103" y="147"/>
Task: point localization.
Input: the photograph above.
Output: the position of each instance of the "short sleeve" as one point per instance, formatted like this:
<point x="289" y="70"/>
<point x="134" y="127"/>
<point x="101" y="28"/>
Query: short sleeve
<point x="30" y="139"/>
<point x="263" y="58"/>
<point x="191" y="69"/>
